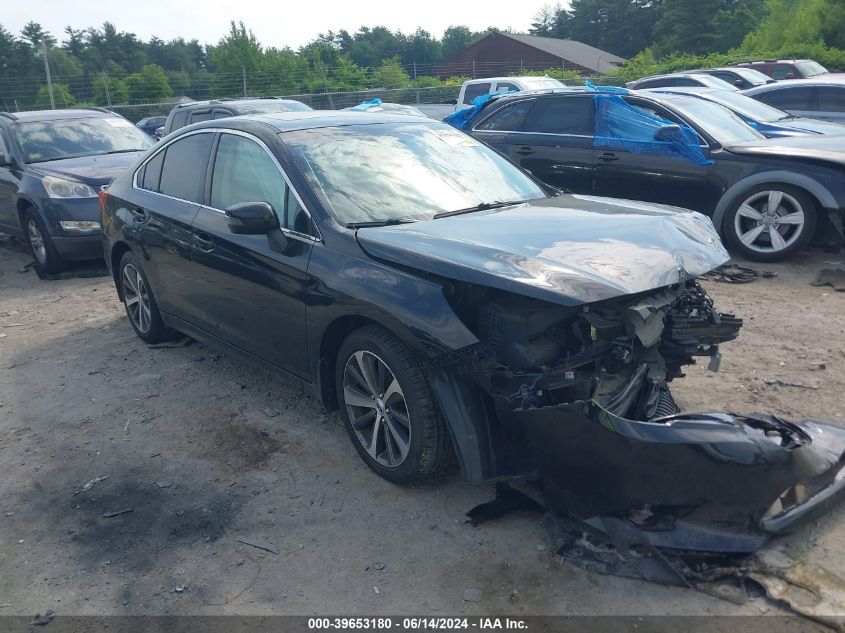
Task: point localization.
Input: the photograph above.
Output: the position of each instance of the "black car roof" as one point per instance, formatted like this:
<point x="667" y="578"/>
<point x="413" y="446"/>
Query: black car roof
<point x="288" y="121"/>
<point x="53" y="115"/>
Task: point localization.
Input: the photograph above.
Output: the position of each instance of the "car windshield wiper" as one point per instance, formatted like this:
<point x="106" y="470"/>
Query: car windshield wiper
<point x="484" y="206"/>
<point x="388" y="222"/>
<point x="121" y="151"/>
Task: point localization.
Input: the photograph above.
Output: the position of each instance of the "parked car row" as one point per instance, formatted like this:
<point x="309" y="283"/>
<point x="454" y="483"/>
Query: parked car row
<point x="766" y="197"/>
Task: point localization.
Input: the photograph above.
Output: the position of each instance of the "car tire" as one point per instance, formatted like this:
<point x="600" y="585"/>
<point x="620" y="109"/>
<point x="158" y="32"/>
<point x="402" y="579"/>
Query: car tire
<point x="47" y="259"/>
<point x="758" y="234"/>
<point x="139" y="302"/>
<point x="382" y="392"/>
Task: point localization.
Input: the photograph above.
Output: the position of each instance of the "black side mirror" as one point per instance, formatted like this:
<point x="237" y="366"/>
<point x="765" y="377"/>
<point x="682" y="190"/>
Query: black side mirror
<point x="251" y="218"/>
<point x="669" y="133"/>
<point x="739" y="83"/>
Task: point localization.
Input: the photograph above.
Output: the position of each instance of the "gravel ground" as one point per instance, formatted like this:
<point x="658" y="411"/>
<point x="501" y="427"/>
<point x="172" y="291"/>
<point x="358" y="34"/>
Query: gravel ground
<point x="177" y="480"/>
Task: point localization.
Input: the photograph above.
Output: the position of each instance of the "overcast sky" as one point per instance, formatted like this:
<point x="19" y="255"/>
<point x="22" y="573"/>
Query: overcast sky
<point x="275" y="23"/>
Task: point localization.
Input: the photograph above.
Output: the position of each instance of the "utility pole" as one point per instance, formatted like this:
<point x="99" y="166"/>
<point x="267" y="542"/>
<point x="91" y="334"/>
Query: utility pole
<point x="47" y="70"/>
<point x="415" y="81"/>
<point x="106" y="86"/>
<point x="243" y="74"/>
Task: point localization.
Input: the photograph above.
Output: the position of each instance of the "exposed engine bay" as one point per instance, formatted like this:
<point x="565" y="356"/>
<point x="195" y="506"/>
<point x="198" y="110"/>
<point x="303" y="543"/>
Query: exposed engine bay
<point x="577" y="399"/>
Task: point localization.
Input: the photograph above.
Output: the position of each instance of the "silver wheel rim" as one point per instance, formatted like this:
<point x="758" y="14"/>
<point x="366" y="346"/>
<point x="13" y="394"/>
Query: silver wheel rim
<point x="769" y="221"/>
<point x="136" y="298"/>
<point x="36" y="241"/>
<point x="376" y="408"/>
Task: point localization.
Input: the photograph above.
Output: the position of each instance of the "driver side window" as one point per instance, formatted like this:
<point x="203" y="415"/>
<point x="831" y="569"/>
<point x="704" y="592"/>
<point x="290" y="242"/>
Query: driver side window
<point x="245" y="172"/>
<point x="5" y="150"/>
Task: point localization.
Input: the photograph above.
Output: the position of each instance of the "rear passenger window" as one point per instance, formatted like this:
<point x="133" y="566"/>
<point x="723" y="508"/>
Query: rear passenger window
<point x="180" y="119"/>
<point x="687" y="82"/>
<point x="476" y="90"/>
<point x="152" y="172"/>
<point x="184" y="165"/>
<point x="797" y="98"/>
<point x="202" y="115"/>
<point x="508" y="119"/>
<point x="504" y="85"/>
<point x="572" y="115"/>
<point x="780" y="71"/>
<point x="832" y="99"/>
<point x="668" y="82"/>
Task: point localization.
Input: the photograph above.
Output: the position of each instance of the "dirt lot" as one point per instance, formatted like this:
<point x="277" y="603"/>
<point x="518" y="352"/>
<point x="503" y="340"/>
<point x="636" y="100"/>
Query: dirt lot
<point x="207" y="452"/>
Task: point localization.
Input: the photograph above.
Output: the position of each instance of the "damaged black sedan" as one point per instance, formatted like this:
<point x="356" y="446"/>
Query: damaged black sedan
<point x="449" y="304"/>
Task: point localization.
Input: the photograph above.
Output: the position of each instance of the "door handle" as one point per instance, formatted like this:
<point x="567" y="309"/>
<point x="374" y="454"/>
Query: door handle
<point x="524" y="151"/>
<point x="204" y="242"/>
<point x="608" y="157"/>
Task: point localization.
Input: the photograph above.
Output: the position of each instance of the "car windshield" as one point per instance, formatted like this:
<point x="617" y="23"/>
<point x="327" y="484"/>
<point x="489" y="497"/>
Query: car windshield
<point x="752" y="76"/>
<point x="748" y="107"/>
<point x="404" y="171"/>
<point x="272" y="106"/>
<point x="43" y="141"/>
<point x="719" y="122"/>
<point x="541" y="83"/>
<point x="810" y="68"/>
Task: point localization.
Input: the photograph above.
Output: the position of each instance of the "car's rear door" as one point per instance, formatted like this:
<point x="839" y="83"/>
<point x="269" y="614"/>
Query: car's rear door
<point x="251" y="289"/>
<point x="555" y="141"/>
<point x="169" y="188"/>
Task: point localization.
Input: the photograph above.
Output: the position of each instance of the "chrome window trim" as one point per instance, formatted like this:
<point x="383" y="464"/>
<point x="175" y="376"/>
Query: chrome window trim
<point x="263" y="145"/>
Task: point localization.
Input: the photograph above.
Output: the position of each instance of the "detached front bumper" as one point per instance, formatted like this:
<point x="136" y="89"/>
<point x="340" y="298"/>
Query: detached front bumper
<point x="708" y="482"/>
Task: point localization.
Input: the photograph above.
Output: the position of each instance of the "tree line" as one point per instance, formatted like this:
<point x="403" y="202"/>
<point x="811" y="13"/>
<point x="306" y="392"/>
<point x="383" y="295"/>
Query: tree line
<point x="106" y="66"/>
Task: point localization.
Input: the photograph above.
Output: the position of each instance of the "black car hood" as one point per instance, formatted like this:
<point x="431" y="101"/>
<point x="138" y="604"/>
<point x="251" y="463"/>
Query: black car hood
<point x="569" y="250"/>
<point x="818" y="148"/>
<point x="92" y="170"/>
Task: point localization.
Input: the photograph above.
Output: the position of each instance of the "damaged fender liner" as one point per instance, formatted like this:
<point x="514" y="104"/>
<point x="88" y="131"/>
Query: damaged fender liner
<point x="703" y="482"/>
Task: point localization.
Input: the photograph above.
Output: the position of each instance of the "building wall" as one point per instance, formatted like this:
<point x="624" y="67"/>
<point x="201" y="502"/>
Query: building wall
<point x="500" y="55"/>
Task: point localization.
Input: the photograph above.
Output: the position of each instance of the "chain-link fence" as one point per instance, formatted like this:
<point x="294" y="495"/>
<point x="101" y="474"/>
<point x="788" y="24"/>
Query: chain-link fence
<point x="320" y="87"/>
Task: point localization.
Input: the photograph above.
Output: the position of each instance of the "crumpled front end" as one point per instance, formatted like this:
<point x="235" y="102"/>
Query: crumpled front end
<point x="580" y="396"/>
<point x="708" y="482"/>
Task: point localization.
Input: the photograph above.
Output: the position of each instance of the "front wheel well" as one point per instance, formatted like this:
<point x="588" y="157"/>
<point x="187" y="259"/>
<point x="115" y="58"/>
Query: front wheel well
<point x="333" y="338"/>
<point x="117" y="253"/>
<point x="23" y="207"/>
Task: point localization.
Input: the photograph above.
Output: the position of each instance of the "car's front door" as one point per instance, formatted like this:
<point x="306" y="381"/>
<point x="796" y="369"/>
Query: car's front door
<point x="651" y="175"/>
<point x="555" y="142"/>
<point x="251" y="289"/>
<point x="831" y="103"/>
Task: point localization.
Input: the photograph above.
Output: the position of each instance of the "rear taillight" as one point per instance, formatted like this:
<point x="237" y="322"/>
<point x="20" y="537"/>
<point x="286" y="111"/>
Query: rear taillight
<point x="103" y="197"/>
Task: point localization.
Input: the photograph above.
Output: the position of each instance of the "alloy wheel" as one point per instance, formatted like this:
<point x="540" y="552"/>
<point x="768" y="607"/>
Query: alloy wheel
<point x="376" y="408"/>
<point x="769" y="221"/>
<point x="136" y="298"/>
<point x="36" y="241"/>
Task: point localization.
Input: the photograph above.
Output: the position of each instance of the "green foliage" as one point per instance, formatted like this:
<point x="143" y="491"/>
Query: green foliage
<point x="391" y="75"/>
<point x="150" y="84"/>
<point x="118" y="91"/>
<point x="61" y="94"/>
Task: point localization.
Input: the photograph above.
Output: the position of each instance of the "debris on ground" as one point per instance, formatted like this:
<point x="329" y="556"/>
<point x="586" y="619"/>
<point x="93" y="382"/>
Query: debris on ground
<point x="90" y="484"/>
<point x="163" y="484"/>
<point x="43" y="620"/>
<point x="507" y="500"/>
<point x="256" y="546"/>
<point x="471" y="594"/>
<point x="109" y="515"/>
<point x="735" y="274"/>
<point x="834" y="277"/>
